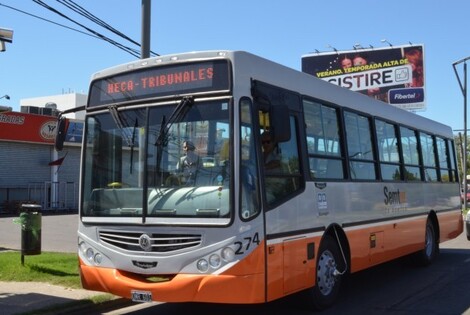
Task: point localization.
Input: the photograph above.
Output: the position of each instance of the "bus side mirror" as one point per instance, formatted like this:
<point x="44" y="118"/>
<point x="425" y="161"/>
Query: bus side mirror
<point x="279" y="123"/>
<point x="62" y="126"/>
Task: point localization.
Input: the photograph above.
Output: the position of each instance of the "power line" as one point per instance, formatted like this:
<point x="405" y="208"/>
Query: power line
<point x="49" y="21"/>
<point x="109" y="40"/>
<point x="94" y="34"/>
<point x="70" y="4"/>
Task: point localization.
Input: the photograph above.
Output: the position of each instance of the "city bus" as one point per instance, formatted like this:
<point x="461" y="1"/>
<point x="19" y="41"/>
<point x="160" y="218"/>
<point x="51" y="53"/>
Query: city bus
<point x="356" y="183"/>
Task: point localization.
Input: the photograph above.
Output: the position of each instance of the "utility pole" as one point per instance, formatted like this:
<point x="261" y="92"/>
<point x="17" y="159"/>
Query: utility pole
<point x="145" y="45"/>
<point x="463" y="87"/>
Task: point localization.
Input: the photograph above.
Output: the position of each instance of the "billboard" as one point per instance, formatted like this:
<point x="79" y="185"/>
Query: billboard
<point x="394" y="75"/>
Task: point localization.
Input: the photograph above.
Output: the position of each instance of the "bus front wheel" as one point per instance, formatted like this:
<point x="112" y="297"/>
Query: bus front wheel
<point x="329" y="273"/>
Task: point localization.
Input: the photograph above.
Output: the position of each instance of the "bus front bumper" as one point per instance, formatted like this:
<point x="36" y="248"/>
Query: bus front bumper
<point x="222" y="288"/>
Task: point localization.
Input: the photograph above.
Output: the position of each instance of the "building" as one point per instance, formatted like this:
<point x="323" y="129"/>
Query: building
<point x="60" y="102"/>
<point x="31" y="170"/>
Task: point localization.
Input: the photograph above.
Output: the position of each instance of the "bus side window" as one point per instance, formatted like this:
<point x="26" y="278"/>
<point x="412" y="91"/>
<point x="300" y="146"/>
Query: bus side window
<point x="360" y="151"/>
<point x="409" y="144"/>
<point x="389" y="156"/>
<point x="444" y="165"/>
<point x="453" y="167"/>
<point x="429" y="158"/>
<point x="323" y="141"/>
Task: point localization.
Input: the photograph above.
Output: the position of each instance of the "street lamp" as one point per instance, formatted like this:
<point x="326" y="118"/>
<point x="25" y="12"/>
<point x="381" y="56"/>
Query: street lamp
<point x="463" y="87"/>
<point x="386" y="41"/>
<point x="6" y="36"/>
<point x="5" y="96"/>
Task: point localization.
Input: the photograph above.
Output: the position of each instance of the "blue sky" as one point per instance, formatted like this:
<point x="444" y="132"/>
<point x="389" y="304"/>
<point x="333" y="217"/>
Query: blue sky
<point x="45" y="59"/>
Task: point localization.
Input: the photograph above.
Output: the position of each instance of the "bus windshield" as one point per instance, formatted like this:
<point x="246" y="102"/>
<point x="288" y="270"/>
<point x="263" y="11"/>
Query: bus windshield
<point x="159" y="161"/>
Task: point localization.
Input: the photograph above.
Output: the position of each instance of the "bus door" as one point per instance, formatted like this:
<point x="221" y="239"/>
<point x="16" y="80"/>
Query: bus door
<point x="287" y="251"/>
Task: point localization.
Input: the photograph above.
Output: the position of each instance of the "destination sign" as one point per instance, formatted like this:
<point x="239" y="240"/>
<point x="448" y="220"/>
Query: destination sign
<point x="161" y="81"/>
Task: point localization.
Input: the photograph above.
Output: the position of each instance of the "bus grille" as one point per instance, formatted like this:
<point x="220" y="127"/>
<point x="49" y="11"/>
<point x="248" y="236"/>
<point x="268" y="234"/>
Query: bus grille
<point x="159" y="243"/>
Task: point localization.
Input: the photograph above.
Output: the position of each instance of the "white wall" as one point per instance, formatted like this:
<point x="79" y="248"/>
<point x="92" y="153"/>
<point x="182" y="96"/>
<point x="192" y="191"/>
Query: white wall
<point x="63" y="101"/>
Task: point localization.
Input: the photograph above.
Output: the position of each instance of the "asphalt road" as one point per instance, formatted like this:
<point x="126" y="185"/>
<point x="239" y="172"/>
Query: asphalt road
<point x="58" y="233"/>
<point x="398" y="287"/>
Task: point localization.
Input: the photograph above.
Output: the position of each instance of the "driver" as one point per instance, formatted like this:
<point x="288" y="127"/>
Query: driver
<point x="189" y="162"/>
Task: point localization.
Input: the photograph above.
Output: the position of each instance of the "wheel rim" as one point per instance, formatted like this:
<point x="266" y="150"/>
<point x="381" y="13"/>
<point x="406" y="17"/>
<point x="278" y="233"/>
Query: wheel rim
<point x="325" y="273"/>
<point x="429" y="242"/>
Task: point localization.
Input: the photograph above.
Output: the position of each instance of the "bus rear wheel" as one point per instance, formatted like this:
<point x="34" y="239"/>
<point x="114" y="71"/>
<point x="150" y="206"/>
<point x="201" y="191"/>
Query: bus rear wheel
<point x="330" y="269"/>
<point x="431" y="247"/>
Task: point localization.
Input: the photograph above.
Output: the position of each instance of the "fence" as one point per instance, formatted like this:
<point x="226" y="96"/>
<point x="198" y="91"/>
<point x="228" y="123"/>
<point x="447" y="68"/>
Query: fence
<point x="52" y="196"/>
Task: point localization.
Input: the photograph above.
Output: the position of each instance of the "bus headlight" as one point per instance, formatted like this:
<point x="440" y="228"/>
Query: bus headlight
<point x="82" y="247"/>
<point x="98" y="259"/>
<point x="90" y="254"/>
<point x="228" y="254"/>
<point x="214" y="261"/>
<point x="202" y="265"/>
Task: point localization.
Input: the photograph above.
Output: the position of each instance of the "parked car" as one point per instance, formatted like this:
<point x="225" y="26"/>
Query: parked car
<point x="467" y="225"/>
<point x="467" y="196"/>
<point x="467" y="216"/>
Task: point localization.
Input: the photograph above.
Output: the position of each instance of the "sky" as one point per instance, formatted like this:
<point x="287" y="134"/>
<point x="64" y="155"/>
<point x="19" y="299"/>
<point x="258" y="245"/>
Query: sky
<point x="47" y="59"/>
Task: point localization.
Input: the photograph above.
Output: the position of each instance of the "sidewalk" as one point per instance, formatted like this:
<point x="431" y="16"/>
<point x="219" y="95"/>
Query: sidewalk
<point x="22" y="297"/>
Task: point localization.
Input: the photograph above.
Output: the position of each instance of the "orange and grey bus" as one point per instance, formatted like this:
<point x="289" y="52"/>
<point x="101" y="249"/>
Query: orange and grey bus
<point x="356" y="183"/>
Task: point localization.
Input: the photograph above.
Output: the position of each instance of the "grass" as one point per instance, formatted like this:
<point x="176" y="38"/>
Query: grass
<point x="54" y="268"/>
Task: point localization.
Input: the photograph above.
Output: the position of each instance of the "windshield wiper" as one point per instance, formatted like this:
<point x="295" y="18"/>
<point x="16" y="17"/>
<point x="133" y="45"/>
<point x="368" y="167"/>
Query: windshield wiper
<point x="132" y="146"/>
<point x="122" y="125"/>
<point x="162" y="140"/>
<point x="125" y="131"/>
<point x="180" y="111"/>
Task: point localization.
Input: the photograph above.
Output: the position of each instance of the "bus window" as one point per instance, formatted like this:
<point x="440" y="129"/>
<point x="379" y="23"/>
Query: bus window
<point x="444" y="165"/>
<point x="248" y="171"/>
<point x="389" y="156"/>
<point x="454" y="171"/>
<point x="358" y="138"/>
<point x="283" y="179"/>
<point x="409" y="144"/>
<point x="323" y="141"/>
<point x="429" y="158"/>
<point x="112" y="153"/>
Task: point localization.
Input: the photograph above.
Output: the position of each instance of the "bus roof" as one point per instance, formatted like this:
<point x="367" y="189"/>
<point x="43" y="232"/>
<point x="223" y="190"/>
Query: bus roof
<point x="249" y="66"/>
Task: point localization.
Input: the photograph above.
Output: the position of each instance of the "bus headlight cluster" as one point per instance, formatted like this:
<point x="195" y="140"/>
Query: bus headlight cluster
<point x="215" y="261"/>
<point x="92" y="255"/>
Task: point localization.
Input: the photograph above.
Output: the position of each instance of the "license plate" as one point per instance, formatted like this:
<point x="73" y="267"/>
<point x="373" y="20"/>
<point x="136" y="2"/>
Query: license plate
<point x="141" y="296"/>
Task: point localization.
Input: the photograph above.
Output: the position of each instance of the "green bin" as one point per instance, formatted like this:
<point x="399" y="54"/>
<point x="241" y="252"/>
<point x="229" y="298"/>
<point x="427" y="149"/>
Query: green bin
<point x="30" y="219"/>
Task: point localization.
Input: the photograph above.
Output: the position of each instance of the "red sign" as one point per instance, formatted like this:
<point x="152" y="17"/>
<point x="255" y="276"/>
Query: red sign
<point x="27" y="127"/>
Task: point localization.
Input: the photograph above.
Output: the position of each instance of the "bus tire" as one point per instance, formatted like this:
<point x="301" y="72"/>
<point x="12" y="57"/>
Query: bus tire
<point x="431" y="247"/>
<point x="328" y="280"/>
